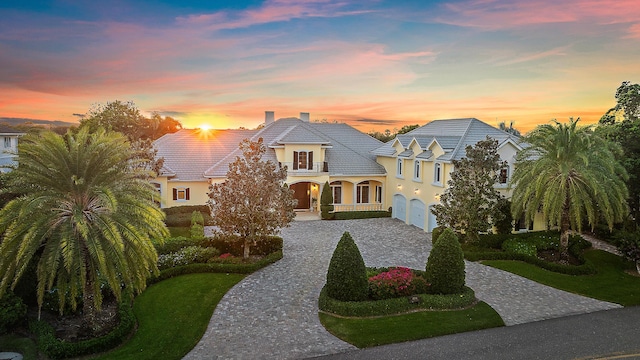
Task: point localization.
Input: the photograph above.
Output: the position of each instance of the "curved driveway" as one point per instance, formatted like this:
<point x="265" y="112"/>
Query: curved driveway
<point x="273" y="313"/>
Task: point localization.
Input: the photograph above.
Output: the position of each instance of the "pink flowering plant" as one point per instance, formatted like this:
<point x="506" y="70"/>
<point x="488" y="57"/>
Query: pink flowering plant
<point x="396" y="282"/>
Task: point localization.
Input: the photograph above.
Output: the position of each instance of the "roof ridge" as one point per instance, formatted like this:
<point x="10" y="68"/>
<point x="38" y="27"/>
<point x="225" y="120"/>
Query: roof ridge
<point x="457" y="148"/>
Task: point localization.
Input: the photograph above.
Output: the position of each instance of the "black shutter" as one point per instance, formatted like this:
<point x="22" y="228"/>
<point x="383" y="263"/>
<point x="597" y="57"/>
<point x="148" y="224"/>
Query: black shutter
<point x="187" y="194"/>
<point x="175" y="194"/>
<point x="310" y="164"/>
<point x="295" y="160"/>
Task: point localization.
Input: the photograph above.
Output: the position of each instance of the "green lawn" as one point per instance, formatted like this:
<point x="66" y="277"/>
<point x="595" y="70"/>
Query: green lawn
<point x="24" y="346"/>
<point x="611" y="283"/>
<point x="366" y="332"/>
<point x="173" y="315"/>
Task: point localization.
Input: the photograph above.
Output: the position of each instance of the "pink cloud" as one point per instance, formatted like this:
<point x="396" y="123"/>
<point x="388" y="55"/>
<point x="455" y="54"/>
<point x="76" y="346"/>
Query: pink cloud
<point x="633" y="32"/>
<point x="499" y="14"/>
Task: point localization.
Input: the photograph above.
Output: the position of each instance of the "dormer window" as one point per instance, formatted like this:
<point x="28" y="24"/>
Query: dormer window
<point x="503" y="177"/>
<point x="437" y="173"/>
<point x="399" y="168"/>
<point x="303" y="160"/>
<point x="416" y="170"/>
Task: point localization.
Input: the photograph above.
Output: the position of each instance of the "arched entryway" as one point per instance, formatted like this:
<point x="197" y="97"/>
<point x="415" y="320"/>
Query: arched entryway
<point x="307" y="194"/>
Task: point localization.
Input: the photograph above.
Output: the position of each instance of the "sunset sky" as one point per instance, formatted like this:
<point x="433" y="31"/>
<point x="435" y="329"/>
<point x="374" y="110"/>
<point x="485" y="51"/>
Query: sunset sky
<point x="371" y="64"/>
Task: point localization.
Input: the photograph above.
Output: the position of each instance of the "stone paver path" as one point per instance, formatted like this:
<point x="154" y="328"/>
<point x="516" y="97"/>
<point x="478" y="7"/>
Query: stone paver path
<point x="273" y="312"/>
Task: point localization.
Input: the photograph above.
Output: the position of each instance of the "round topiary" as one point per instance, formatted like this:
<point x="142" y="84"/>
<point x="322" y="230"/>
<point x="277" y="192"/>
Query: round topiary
<point x="347" y="275"/>
<point x="445" y="266"/>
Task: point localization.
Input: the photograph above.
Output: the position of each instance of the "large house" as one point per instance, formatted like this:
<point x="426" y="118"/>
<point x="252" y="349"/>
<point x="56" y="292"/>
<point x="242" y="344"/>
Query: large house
<point x="8" y="147"/>
<point x="407" y="174"/>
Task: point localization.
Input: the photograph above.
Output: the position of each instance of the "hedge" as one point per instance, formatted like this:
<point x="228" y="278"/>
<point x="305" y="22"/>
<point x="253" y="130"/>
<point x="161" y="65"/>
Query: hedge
<point x="350" y="215"/>
<point x="395" y="306"/>
<point x="216" y="268"/>
<point x="180" y="216"/>
<point x="234" y="245"/>
<point x="59" y="349"/>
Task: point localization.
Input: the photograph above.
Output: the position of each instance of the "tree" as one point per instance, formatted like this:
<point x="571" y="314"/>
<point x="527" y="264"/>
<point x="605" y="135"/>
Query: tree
<point x="621" y="124"/>
<point x="326" y="201"/>
<point x="252" y="201"/>
<point x="85" y="214"/>
<point x="511" y="130"/>
<point x="570" y="175"/>
<point x="470" y="199"/>
<point x="347" y="274"/>
<point x="407" y="128"/>
<point x="445" y="265"/>
<point x="387" y="135"/>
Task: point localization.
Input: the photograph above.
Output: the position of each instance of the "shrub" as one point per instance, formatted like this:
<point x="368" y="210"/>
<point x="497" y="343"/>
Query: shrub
<point x="505" y="224"/>
<point x="520" y="247"/>
<point x="396" y="282"/>
<point x="436" y="232"/>
<point x="58" y="349"/>
<point x="347" y="275"/>
<point x="186" y="256"/>
<point x="445" y="266"/>
<point x="172" y="245"/>
<point x="234" y="244"/>
<point x="197" y="225"/>
<point x="629" y="246"/>
<point x="326" y="202"/>
<point x="395" y="306"/>
<point x="12" y="311"/>
<point x="180" y="216"/>
<point x="350" y="215"/>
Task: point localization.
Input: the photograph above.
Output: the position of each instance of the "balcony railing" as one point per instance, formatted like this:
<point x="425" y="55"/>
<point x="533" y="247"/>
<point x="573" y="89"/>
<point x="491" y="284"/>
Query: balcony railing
<point x="317" y="167"/>
<point x="357" y="207"/>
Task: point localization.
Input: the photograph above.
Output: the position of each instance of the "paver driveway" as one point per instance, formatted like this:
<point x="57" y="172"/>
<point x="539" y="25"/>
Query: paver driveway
<point x="273" y="312"/>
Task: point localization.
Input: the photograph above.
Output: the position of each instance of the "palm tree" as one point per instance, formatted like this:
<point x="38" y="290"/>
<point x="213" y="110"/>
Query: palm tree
<point x="86" y="215"/>
<point x="511" y="130"/>
<point x="570" y="175"/>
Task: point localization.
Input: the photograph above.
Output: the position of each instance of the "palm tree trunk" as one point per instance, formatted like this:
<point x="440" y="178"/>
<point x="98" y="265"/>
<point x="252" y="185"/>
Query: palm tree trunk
<point x="564" y="231"/>
<point x="88" y="306"/>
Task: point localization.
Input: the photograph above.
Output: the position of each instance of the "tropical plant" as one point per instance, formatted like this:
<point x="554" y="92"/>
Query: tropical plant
<point x="87" y="215"/>
<point x="347" y="274"/>
<point x="510" y="129"/>
<point x="570" y="175"/>
<point x="252" y="201"/>
<point x="197" y="225"/>
<point x="445" y="265"/>
<point x="470" y="199"/>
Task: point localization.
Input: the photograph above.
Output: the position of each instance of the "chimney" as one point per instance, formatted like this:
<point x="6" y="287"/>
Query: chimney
<point x="304" y="116"/>
<point x="269" y="117"/>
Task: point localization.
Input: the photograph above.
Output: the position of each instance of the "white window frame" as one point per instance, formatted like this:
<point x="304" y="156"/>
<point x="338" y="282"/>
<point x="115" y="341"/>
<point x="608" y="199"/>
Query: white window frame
<point x="378" y="198"/>
<point x="437" y="173"/>
<point x="417" y="176"/>
<point x="506" y="177"/>
<point x="7" y="142"/>
<point x="308" y="155"/>
<point x="399" y="167"/>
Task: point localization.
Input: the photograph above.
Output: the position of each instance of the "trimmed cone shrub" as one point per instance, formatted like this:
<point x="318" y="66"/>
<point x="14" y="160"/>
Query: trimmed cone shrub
<point x="326" y="201"/>
<point x="445" y="266"/>
<point x="197" y="225"/>
<point x="347" y="275"/>
<point x="435" y="233"/>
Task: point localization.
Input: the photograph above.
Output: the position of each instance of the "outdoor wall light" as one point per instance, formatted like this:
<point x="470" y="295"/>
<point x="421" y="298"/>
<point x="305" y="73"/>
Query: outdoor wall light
<point x="399" y="187"/>
<point x="437" y="197"/>
<point x="416" y="190"/>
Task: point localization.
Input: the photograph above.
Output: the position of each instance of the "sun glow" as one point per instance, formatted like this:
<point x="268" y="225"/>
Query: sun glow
<point x="205" y="127"/>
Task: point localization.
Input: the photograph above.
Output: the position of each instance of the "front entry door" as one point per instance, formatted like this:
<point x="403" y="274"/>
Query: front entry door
<point x="301" y="193"/>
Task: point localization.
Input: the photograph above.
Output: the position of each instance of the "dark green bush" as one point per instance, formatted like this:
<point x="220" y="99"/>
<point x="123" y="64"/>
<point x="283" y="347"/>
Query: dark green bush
<point x="12" y="311"/>
<point x="505" y="224"/>
<point x="436" y="232"/>
<point x="172" y="245"/>
<point x="180" y="216"/>
<point x="234" y="245"/>
<point x="350" y="215"/>
<point x="491" y="241"/>
<point x="517" y="246"/>
<point x="326" y="201"/>
<point x="445" y="266"/>
<point x="347" y="275"/>
<point x="58" y="349"/>
<point x="395" y="306"/>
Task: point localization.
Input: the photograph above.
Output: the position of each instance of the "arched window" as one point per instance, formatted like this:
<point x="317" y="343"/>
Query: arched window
<point x="437" y="173"/>
<point x="503" y="177"/>
<point x="336" y="190"/>
<point x="416" y="170"/>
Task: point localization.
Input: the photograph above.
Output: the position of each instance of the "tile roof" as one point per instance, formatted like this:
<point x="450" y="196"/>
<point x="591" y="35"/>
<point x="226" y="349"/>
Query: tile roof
<point x="190" y="156"/>
<point x="453" y="135"/>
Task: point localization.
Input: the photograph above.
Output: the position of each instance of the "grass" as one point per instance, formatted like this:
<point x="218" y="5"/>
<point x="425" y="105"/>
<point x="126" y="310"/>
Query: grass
<point x="22" y="345"/>
<point x="367" y="332"/>
<point x="173" y="315"/>
<point x="611" y="283"/>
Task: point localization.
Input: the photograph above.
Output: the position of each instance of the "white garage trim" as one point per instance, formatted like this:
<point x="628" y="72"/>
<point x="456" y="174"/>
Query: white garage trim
<point x="399" y="209"/>
<point x="417" y="211"/>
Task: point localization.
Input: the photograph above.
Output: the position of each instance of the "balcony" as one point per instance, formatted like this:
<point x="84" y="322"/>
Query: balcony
<point x="316" y="168"/>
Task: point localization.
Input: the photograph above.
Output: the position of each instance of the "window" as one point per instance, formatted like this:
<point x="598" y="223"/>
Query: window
<point x="181" y="194"/>
<point x="303" y="160"/>
<point x="399" y="168"/>
<point x="362" y="195"/>
<point x="7" y="142"/>
<point x="504" y="175"/>
<point x="379" y="194"/>
<point x="416" y="170"/>
<point x="437" y="173"/>
<point x="336" y="189"/>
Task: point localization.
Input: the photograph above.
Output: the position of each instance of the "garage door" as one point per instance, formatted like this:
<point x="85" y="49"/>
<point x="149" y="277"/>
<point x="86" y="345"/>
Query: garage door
<point x="431" y="223"/>
<point x="417" y="213"/>
<point x="399" y="210"/>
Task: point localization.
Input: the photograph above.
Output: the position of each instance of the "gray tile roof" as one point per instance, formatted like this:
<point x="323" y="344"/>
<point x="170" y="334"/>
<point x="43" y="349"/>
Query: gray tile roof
<point x="190" y="157"/>
<point x="453" y="135"/>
